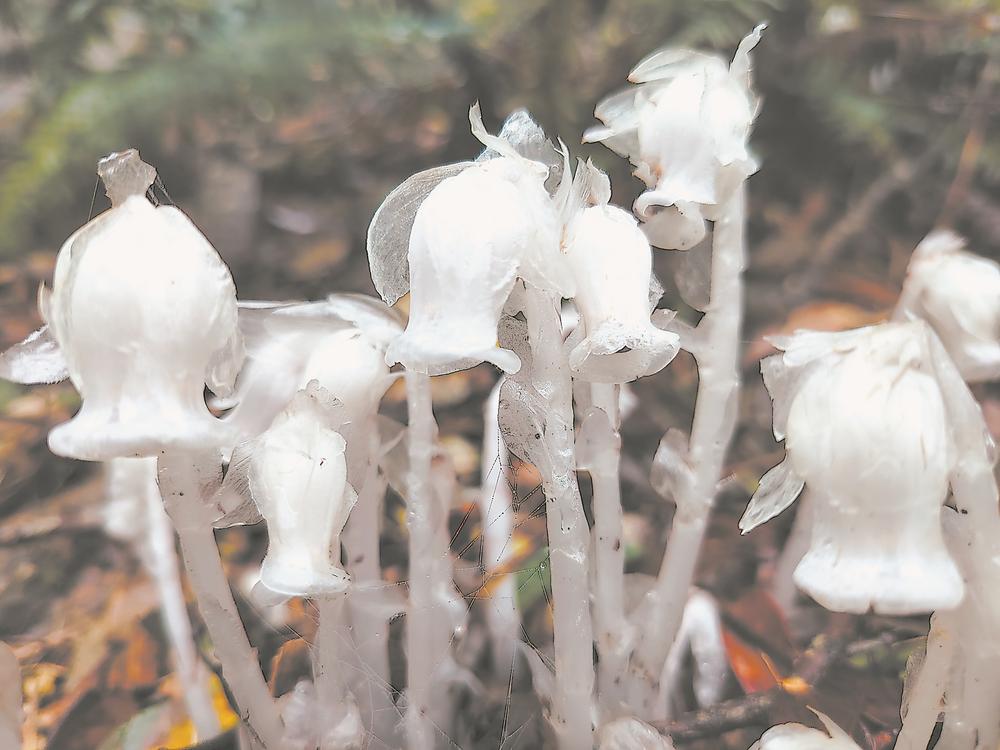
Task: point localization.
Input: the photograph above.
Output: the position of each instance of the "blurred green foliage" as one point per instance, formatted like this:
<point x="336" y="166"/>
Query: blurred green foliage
<point x="349" y="96"/>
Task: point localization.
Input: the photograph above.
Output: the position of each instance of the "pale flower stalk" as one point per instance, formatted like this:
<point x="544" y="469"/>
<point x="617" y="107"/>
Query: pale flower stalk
<point x="599" y="453"/>
<point x="685" y="128"/>
<point x="960" y="670"/>
<point x="475" y="231"/>
<point x="539" y="428"/>
<point x="714" y="422"/>
<point x="134" y="513"/>
<point x="428" y="633"/>
<point x="496" y="509"/>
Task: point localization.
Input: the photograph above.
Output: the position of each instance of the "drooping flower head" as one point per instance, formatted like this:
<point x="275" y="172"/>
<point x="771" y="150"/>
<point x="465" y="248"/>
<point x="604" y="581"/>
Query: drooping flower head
<point x="476" y="228"/>
<point x="611" y="263"/>
<point x="339" y="342"/>
<point x="684" y="126"/>
<point x="958" y="293"/>
<point x="143" y="312"/>
<point x="800" y="737"/>
<point x="867" y="433"/>
<point x="298" y="479"/>
<point x="628" y="733"/>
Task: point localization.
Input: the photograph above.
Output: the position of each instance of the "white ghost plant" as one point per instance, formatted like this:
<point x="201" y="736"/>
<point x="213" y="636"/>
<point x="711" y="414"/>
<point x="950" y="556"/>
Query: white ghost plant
<point x="298" y="479"/>
<point x="684" y="126"/>
<point x="339" y="341"/>
<point x="800" y="737"/>
<point x="144" y="314"/>
<point x="628" y="733"/>
<point x="867" y="434"/>
<point x="958" y="293"/>
<point x="611" y="263"/>
<point x="473" y="235"/>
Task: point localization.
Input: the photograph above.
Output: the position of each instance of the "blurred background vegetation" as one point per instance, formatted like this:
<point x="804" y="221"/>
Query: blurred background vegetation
<point x="280" y="125"/>
<point x="277" y="122"/>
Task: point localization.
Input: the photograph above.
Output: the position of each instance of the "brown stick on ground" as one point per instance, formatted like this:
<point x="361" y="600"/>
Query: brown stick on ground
<point x="750" y="710"/>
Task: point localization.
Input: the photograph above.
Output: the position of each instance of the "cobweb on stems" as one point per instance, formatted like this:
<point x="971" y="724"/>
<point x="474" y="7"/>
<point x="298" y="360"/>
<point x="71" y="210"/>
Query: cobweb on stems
<point x="495" y="706"/>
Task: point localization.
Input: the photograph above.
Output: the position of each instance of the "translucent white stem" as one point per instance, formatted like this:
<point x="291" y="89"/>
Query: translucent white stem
<point x="160" y="558"/>
<point x="796" y="546"/>
<point x="369" y="624"/>
<point x="712" y="430"/>
<point x="612" y="636"/>
<point x="329" y="669"/>
<point x="496" y="509"/>
<point x="181" y="488"/>
<point x="568" y="531"/>
<point x="963" y="650"/>
<point x="925" y="696"/>
<point x="428" y="634"/>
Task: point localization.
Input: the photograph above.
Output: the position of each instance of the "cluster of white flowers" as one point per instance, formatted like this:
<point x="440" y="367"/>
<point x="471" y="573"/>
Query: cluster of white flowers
<point x="518" y="260"/>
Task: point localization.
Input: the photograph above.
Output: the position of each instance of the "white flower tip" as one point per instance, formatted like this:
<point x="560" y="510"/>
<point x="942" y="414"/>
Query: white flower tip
<point x="124" y="174"/>
<point x="799" y="737"/>
<point x="939" y="242"/>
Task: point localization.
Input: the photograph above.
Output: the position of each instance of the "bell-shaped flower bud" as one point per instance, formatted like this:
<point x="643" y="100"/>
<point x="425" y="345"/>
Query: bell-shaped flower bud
<point x="298" y="478"/>
<point x="684" y="127"/>
<point x="474" y="234"/>
<point x="867" y="432"/>
<point x="958" y="293"/>
<point x="144" y="313"/>
<point x="340" y="342"/>
<point x="628" y="733"/>
<point x="612" y="269"/>
<point x="800" y="737"/>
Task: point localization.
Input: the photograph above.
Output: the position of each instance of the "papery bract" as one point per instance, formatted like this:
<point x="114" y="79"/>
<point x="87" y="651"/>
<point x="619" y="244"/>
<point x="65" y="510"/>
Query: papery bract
<point x="144" y="313"/>
<point x="611" y="264"/>
<point x="958" y="293"/>
<point x="685" y="128"/>
<point x="867" y="433"/>
<point x="298" y="478"/>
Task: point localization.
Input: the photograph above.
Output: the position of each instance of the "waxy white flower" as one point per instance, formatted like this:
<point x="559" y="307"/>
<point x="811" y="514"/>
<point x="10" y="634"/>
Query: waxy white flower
<point x="339" y="342"/>
<point x="684" y="127"/>
<point x="612" y="264"/>
<point x="958" y="293"/>
<point x="866" y="431"/>
<point x="298" y="479"/>
<point x="800" y="737"/>
<point x="144" y="314"/>
<point x="474" y="234"/>
<point x="628" y="733"/>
